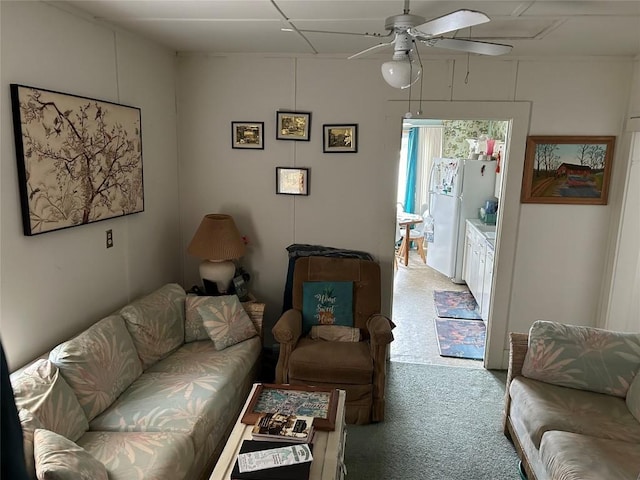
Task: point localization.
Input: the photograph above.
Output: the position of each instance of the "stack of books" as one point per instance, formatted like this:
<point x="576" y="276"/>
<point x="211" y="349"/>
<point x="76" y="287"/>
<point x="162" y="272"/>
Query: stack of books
<point x="283" y="428"/>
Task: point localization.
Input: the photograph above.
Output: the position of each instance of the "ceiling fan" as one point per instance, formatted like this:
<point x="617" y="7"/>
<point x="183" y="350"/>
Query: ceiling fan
<point x="403" y="70"/>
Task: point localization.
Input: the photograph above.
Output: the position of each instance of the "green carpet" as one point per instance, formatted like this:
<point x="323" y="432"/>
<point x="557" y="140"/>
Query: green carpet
<point x="441" y="423"/>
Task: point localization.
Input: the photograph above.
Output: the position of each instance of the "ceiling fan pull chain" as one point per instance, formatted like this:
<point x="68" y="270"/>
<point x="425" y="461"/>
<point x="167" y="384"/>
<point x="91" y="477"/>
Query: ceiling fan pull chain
<point x="415" y="45"/>
<point x="466" y="78"/>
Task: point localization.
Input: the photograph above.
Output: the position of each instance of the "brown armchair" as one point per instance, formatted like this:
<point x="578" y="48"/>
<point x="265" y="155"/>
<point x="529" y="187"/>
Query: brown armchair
<point x="359" y="368"/>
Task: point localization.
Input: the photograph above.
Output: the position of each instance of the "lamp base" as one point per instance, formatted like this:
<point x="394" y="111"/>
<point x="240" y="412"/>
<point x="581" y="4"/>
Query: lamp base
<point x="221" y="273"/>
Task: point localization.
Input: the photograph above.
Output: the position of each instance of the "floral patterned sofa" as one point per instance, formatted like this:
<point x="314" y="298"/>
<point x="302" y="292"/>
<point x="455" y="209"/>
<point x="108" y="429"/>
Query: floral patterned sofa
<point x="572" y="402"/>
<point x="150" y="392"/>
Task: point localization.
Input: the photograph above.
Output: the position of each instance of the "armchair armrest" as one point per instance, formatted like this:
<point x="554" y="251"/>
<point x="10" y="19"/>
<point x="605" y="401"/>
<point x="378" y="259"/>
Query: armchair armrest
<point x="518" y="346"/>
<point x="380" y="337"/>
<point x="379" y="328"/>
<point x="288" y="328"/>
<point x="286" y="331"/>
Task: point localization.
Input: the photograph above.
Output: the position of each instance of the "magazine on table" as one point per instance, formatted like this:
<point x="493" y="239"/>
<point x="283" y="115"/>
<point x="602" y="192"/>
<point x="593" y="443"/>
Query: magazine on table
<point x="281" y="427"/>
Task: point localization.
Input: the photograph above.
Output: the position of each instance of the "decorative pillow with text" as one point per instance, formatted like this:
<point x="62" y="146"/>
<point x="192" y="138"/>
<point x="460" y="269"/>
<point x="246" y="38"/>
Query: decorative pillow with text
<point x="326" y="303"/>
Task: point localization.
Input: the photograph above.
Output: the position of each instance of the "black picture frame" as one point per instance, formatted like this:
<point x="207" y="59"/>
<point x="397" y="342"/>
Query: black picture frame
<point x="293" y="126"/>
<point x="292" y="181"/>
<point x="247" y="135"/>
<point x="64" y="142"/>
<point x="340" y="138"/>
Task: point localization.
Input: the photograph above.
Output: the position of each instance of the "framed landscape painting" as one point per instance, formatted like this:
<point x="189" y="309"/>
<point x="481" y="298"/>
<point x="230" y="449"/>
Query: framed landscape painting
<point x="79" y="159"/>
<point x="567" y="169"/>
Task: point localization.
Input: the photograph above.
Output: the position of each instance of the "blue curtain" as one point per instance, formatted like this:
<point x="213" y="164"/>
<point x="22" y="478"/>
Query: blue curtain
<point x="412" y="166"/>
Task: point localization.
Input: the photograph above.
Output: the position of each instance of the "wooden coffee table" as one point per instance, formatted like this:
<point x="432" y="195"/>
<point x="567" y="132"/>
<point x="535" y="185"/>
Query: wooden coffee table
<point x="328" y="448"/>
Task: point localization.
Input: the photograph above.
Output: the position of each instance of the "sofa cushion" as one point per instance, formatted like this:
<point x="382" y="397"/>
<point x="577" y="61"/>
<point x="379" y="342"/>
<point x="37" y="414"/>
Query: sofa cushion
<point x="225" y="320"/>
<point x="41" y="389"/>
<point x="202" y="358"/>
<point x="156" y="323"/>
<point x="571" y="456"/>
<point x="58" y="458"/>
<point x="164" y="455"/>
<point x="542" y="407"/>
<point x="633" y="397"/>
<point x="29" y="424"/>
<point x="99" y="364"/>
<point x="164" y="402"/>
<point x="582" y="357"/>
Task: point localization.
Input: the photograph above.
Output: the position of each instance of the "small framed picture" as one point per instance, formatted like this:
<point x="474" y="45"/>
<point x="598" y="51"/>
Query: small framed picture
<point x="293" y="126"/>
<point x="292" y="181"/>
<point x="340" y="138"/>
<point x="247" y="135"/>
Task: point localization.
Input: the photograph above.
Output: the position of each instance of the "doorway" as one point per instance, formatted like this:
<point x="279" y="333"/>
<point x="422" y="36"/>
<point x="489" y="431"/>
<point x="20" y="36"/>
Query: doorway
<point x="419" y="176"/>
<point x="517" y="114"/>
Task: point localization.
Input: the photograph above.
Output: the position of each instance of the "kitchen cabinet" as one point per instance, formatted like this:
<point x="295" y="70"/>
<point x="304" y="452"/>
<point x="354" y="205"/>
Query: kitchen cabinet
<point x="478" y="263"/>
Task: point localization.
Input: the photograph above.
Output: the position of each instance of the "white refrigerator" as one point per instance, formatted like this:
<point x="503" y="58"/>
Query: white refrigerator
<point x="457" y="189"/>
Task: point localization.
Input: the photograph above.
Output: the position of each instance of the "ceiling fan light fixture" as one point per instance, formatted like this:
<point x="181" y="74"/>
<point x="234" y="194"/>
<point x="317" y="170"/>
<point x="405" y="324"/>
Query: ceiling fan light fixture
<point x="401" y="72"/>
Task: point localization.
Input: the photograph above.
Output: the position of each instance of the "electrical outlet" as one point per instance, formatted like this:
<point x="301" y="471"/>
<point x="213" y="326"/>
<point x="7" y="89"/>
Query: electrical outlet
<point x="109" y="238"/>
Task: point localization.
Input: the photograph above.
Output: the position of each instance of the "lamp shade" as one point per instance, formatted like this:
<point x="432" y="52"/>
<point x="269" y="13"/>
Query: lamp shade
<point x="401" y="72"/>
<point x="217" y="238"/>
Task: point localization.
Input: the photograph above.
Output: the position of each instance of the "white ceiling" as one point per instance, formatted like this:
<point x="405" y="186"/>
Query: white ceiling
<point x="533" y="27"/>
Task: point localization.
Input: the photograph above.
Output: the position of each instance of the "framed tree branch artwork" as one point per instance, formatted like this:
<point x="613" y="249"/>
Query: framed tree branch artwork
<point x="567" y="169"/>
<point x="79" y="159"/>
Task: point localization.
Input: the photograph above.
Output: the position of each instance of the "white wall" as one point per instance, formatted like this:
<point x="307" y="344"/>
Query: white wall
<point x="558" y="268"/>
<point x="55" y="284"/>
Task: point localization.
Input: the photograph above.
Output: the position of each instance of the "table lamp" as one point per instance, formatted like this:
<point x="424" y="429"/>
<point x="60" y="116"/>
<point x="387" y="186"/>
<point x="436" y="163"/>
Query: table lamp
<point x="218" y="242"/>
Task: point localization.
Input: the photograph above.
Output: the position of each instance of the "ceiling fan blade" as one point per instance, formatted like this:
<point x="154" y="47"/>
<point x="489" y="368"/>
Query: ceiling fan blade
<point x="364" y="52"/>
<point x="450" y="22"/>
<point x="471" y="46"/>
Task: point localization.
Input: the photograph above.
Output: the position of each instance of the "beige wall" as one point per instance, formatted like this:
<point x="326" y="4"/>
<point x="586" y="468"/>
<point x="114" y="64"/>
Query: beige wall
<point x="53" y="285"/>
<point x="559" y="256"/>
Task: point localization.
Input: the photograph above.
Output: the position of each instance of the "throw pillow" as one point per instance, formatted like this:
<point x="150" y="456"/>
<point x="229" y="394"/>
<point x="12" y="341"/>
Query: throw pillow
<point x="41" y="389"/>
<point x="99" y="364"/>
<point x="225" y="321"/>
<point x="193" y="322"/>
<point x="335" y="333"/>
<point x="326" y="303"/>
<point x="156" y="323"/>
<point x="633" y="397"/>
<point x="29" y="424"/>
<point x="58" y="458"/>
<point x="584" y="358"/>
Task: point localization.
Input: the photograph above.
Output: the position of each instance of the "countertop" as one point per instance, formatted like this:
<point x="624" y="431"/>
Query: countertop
<point x="487" y="231"/>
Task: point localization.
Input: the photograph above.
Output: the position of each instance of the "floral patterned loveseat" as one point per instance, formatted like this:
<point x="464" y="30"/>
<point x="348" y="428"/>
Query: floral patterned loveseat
<point x="150" y="392"/>
<point x="572" y="402"/>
